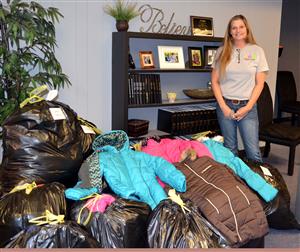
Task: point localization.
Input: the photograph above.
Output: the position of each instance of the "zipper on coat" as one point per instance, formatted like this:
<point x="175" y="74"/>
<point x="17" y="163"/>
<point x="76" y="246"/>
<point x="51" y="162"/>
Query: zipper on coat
<point x="243" y="194"/>
<point x="206" y="168"/>
<point x="213" y="205"/>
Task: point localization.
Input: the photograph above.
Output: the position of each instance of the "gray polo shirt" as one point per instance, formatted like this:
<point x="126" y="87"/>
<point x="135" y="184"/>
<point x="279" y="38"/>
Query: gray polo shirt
<point x="239" y="79"/>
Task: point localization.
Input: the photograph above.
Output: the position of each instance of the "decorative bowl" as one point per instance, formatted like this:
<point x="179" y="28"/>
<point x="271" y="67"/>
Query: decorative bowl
<point x="199" y="93"/>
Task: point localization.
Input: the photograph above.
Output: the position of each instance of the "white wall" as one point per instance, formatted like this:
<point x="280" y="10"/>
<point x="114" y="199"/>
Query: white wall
<point x="84" y="39"/>
<point x="290" y="39"/>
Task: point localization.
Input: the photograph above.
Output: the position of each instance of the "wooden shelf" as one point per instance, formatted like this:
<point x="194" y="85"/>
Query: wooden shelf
<point x="156" y="70"/>
<point x="120" y="72"/>
<point x="166" y="103"/>
<point x="146" y="35"/>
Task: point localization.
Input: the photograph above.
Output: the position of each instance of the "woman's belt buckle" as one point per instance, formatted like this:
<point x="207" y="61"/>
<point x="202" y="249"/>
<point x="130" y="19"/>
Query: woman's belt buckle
<point x="235" y="102"/>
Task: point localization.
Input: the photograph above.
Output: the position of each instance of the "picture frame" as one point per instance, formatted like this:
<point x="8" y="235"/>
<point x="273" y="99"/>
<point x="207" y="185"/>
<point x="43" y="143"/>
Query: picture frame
<point x="171" y="57"/>
<point x="209" y="55"/>
<point x="202" y="26"/>
<point x="146" y="59"/>
<point x="195" y="57"/>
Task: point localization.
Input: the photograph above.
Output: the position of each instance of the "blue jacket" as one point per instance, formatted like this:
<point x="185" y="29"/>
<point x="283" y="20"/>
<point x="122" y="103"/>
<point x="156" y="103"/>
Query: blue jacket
<point x="132" y="174"/>
<point x="255" y="181"/>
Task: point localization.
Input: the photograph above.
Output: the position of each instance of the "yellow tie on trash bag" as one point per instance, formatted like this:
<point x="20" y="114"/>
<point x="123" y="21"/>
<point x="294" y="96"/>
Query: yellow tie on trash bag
<point x="35" y="95"/>
<point x="48" y="218"/>
<point x="201" y="134"/>
<point x="27" y="187"/>
<point x="176" y="198"/>
<point x="91" y="126"/>
<point x="92" y="203"/>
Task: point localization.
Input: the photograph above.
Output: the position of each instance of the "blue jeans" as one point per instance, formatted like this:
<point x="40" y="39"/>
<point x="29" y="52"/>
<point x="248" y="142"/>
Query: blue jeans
<point x="248" y="128"/>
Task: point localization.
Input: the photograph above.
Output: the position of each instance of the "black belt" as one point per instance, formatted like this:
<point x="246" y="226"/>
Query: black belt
<point x="236" y="102"/>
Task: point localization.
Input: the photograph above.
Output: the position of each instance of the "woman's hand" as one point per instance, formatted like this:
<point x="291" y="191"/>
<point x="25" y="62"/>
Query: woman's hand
<point x="228" y="112"/>
<point x="241" y="113"/>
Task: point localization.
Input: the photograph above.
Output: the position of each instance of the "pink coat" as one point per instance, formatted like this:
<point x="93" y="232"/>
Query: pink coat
<point x="100" y="204"/>
<point x="172" y="149"/>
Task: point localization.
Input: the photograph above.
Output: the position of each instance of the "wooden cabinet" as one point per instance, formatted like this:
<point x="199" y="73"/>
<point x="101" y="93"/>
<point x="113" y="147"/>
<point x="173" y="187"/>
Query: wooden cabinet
<point x="121" y="42"/>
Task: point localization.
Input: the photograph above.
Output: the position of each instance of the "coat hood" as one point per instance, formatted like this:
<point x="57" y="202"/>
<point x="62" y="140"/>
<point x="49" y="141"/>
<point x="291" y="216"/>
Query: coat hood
<point x="112" y="141"/>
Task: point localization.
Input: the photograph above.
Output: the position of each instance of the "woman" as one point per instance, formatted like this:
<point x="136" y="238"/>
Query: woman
<point x="238" y="76"/>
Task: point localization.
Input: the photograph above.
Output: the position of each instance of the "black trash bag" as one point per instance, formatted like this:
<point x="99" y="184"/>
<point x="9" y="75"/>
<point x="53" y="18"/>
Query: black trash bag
<point x="170" y="227"/>
<point x="17" y="208"/>
<point x="38" y="148"/>
<point x="278" y="212"/>
<point x="122" y="225"/>
<point x="65" y="235"/>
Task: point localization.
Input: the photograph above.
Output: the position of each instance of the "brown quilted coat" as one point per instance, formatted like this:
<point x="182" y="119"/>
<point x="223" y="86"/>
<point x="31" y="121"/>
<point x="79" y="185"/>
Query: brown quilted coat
<point x="224" y="199"/>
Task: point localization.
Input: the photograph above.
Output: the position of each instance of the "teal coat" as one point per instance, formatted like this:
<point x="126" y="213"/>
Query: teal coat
<point x="255" y="181"/>
<point x="132" y="174"/>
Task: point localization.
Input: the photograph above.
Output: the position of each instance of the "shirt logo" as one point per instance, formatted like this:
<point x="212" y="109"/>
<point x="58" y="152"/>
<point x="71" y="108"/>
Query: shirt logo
<point x="250" y="56"/>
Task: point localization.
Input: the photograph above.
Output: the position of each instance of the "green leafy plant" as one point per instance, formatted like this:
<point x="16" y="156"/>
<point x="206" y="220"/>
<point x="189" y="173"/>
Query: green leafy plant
<point x="27" y="52"/>
<point x="121" y="11"/>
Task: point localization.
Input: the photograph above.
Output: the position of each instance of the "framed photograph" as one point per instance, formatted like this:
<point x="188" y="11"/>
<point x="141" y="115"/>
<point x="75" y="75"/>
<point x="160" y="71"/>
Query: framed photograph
<point x="146" y="59"/>
<point x="195" y="57"/>
<point x="202" y="26"/>
<point x="171" y="57"/>
<point x="209" y="55"/>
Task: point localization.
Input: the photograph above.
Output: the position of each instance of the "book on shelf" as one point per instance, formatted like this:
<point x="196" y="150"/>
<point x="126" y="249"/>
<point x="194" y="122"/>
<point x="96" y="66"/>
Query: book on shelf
<point x="188" y="119"/>
<point x="144" y="89"/>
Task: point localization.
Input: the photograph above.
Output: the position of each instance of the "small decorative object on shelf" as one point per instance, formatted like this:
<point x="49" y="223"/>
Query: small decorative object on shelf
<point x="209" y="55"/>
<point x="123" y="12"/>
<point x="199" y="93"/>
<point x="137" y="127"/>
<point x="146" y="59"/>
<point x="171" y="96"/>
<point x="130" y="61"/>
<point x="202" y="26"/>
<point x="122" y="25"/>
<point x="195" y="57"/>
<point x="171" y="57"/>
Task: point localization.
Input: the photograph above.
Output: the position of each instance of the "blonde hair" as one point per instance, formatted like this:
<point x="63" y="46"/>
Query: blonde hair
<point x="225" y="55"/>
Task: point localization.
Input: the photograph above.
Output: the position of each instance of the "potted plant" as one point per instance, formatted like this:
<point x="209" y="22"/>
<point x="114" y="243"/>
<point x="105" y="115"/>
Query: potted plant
<point x="27" y="52"/>
<point x="122" y="12"/>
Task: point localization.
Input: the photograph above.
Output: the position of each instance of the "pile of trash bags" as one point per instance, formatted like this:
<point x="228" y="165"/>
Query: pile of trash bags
<point x="40" y="148"/>
<point x="48" y="148"/>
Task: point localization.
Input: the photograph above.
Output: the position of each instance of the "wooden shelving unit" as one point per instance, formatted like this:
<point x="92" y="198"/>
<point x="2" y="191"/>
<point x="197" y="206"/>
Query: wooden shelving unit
<point x="120" y="72"/>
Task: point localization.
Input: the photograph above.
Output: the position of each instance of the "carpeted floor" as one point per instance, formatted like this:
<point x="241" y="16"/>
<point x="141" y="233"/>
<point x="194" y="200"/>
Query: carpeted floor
<point x="278" y="157"/>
